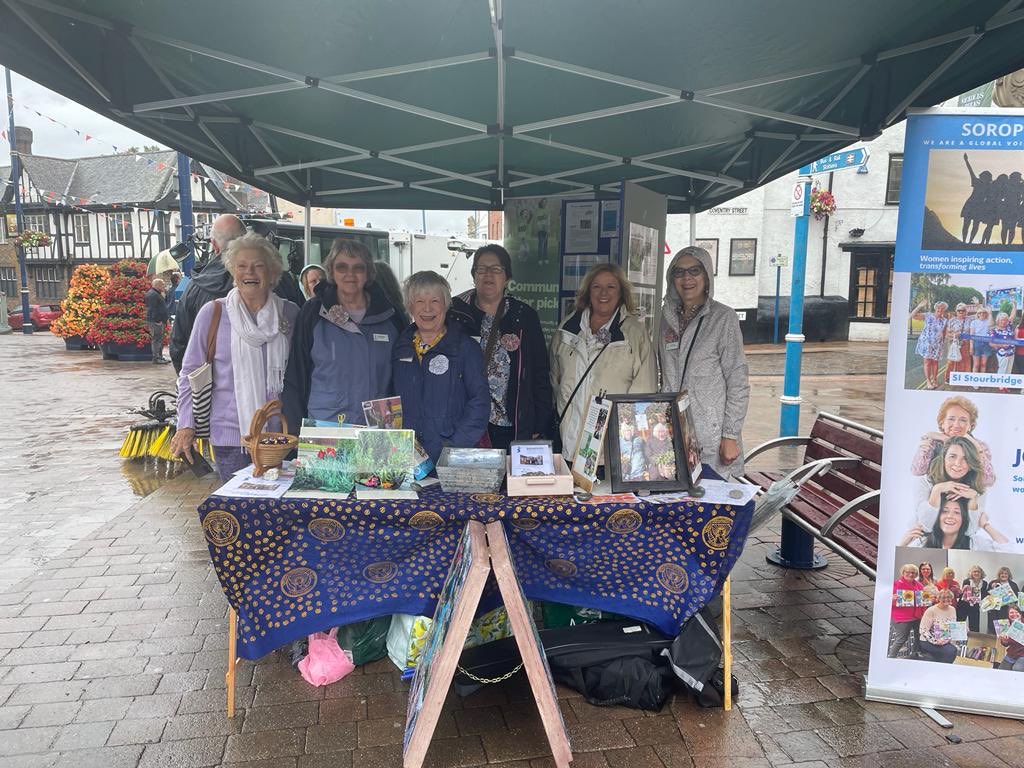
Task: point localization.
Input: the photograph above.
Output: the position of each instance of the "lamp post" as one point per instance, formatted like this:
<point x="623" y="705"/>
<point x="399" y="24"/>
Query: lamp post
<point x="26" y="326"/>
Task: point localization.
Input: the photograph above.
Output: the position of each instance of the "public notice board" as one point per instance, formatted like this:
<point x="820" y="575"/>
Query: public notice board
<point x="953" y="463"/>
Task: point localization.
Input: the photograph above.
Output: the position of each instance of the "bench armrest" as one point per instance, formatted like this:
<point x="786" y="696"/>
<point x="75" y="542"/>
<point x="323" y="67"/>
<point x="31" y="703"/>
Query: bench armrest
<point x="846" y="510"/>
<point x="778" y="442"/>
<point x="817" y="467"/>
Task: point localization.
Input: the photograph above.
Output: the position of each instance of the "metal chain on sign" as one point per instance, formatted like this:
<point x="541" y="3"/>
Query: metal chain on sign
<point x="486" y="680"/>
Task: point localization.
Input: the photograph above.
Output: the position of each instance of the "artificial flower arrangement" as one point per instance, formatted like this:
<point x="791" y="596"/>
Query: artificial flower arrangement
<point x="823" y="203"/>
<point x="31" y="239"/>
<point x="122" y="314"/>
<point x="82" y="305"/>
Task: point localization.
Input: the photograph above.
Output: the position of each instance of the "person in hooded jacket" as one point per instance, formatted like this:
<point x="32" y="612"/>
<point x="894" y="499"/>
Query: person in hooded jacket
<point x="602" y="346"/>
<point x="700" y="347"/>
<point x="515" y="354"/>
<point x="341" y="349"/>
<point x="439" y="371"/>
<point x="310" y="275"/>
<point x="214" y="281"/>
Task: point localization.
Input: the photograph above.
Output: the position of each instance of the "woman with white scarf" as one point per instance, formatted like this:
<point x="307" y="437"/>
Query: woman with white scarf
<point x="253" y="336"/>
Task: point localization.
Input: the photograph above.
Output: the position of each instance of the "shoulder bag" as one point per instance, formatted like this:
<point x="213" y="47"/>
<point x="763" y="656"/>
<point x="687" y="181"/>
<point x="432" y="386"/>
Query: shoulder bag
<point x="201" y="379"/>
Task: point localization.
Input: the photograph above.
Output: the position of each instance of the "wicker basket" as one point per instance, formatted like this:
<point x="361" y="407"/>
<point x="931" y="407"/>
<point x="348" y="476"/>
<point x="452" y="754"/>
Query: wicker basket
<point x="265" y="456"/>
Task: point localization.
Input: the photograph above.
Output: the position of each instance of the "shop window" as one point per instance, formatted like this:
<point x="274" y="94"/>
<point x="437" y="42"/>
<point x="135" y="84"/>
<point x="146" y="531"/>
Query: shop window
<point x="49" y="282"/>
<point x="892" y="182"/>
<point x="9" y="281"/>
<point x="37" y="222"/>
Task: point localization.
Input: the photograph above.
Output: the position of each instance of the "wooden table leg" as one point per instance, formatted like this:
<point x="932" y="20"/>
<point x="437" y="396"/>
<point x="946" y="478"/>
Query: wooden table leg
<point x="727" y="642"/>
<point x="229" y="676"/>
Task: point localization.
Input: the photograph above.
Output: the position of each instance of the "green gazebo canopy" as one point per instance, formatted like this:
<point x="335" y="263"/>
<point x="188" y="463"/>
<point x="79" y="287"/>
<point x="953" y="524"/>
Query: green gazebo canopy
<point x="468" y="103"/>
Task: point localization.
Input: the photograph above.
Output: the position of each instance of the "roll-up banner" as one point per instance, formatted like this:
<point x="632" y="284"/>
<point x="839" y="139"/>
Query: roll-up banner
<point x="947" y="628"/>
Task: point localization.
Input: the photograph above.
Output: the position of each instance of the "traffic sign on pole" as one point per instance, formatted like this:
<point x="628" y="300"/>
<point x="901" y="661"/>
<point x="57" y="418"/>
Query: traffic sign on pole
<point x="837" y="161"/>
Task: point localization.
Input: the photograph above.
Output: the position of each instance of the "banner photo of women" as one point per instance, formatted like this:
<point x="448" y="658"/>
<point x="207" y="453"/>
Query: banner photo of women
<point x="951" y="517"/>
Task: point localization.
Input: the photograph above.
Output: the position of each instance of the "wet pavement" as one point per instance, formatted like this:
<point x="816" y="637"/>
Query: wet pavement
<point x="112" y="622"/>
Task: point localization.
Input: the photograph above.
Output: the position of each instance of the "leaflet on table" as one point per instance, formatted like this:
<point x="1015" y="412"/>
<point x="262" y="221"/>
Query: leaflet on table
<point x="613" y="498"/>
<point x="715" y="492"/>
<point x="588" y="452"/>
<point x="531" y="457"/>
<point x="244" y="486"/>
<point x="383" y="413"/>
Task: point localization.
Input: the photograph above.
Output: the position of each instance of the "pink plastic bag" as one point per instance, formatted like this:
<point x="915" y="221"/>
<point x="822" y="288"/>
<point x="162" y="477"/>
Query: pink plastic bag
<point x="326" y="662"/>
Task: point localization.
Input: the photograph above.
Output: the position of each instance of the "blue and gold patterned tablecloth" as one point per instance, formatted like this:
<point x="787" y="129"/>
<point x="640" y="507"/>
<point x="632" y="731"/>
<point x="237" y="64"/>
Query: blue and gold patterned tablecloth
<point x="295" y="566"/>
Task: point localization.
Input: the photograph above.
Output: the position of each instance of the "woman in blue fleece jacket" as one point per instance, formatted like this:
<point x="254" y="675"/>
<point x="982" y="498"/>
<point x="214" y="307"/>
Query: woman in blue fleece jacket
<point x="439" y="371"/>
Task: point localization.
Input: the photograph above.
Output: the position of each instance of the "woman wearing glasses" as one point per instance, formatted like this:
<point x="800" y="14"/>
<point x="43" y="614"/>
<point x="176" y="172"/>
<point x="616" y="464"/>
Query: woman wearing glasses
<point x="341" y="350"/>
<point x="701" y="350"/>
<point x="515" y="353"/>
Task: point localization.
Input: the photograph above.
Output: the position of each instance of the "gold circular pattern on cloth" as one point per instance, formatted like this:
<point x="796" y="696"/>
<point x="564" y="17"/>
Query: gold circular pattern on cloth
<point x="298" y="581"/>
<point x="525" y="523"/>
<point x="425" y="520"/>
<point x="624" y="521"/>
<point x="221" y="528"/>
<point x="326" y="529"/>
<point x="380" y="573"/>
<point x="564" y="568"/>
<point x="672" y="577"/>
<point x="716" y="533"/>
<point x="487" y="498"/>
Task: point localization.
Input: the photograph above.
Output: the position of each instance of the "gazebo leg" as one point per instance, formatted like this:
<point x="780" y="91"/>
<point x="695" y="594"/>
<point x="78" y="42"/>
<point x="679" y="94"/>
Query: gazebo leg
<point x="727" y="643"/>
<point x="229" y="676"/>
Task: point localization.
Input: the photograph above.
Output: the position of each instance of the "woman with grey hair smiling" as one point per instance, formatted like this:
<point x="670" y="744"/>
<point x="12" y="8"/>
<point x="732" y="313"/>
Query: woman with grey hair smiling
<point x="251" y="328"/>
<point x="439" y="371"/>
<point x="343" y="341"/>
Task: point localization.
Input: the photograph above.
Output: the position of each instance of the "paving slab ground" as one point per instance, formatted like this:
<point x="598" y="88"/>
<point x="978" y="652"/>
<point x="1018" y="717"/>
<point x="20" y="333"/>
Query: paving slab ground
<point x="112" y="623"/>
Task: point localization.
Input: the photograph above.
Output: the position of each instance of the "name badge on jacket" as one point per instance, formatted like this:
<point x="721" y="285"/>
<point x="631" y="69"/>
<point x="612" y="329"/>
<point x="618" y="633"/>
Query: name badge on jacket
<point x="381" y="337"/>
<point x="672" y="345"/>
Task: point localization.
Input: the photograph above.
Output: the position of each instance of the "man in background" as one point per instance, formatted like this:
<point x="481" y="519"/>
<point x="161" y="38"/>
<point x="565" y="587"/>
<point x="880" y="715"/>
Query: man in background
<point x="156" y="316"/>
<point x="214" y="282"/>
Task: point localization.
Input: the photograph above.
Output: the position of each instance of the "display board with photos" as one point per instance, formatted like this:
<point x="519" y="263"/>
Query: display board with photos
<point x="742" y="256"/>
<point x="646" y="451"/>
<point x="953" y="407"/>
<point x="591" y="234"/>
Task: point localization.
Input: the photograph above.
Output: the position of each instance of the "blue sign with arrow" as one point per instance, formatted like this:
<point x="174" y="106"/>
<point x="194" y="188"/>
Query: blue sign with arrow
<point x="837" y="161"/>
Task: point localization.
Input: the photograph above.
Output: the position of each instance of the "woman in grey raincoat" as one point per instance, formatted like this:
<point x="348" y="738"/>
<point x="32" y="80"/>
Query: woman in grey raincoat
<point x="701" y="349"/>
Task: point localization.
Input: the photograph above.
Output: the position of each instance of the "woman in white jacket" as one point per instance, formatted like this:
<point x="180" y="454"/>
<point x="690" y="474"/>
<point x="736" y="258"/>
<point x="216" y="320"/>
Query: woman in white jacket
<point x="602" y="346"/>
<point x="700" y="348"/>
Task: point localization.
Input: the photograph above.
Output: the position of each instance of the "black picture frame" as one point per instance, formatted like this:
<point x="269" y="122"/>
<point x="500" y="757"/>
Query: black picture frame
<point x="620" y="482"/>
<point x="738" y="268"/>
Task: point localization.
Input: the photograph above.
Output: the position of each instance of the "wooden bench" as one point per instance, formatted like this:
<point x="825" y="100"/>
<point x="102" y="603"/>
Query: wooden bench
<point x="836" y="494"/>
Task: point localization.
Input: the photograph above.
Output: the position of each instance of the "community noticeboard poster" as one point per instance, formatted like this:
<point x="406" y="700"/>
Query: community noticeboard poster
<point x="953" y="464"/>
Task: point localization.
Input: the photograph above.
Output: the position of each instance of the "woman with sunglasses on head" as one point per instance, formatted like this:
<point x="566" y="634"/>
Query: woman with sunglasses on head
<point x="701" y="350"/>
<point x="515" y="353"/>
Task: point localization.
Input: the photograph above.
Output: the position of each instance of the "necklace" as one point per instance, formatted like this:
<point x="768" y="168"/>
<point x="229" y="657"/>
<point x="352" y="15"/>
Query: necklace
<point x="686" y="315"/>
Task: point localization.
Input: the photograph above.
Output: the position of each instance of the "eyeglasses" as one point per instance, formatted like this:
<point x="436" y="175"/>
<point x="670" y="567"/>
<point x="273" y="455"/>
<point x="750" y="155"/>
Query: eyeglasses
<point x="497" y="269"/>
<point x="355" y="269"/>
<point x="678" y="272"/>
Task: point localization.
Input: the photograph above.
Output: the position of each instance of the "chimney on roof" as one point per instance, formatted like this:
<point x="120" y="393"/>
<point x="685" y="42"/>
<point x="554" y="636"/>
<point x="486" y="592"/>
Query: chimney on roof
<point x="22" y="140"/>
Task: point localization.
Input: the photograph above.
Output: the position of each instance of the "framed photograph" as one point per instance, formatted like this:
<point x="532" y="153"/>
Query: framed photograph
<point x="646" y="450"/>
<point x="711" y="246"/>
<point x="742" y="256"/>
<point x="691" y="443"/>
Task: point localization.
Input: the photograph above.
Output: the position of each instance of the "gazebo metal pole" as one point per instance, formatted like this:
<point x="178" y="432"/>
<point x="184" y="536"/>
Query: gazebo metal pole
<point x="188" y="227"/>
<point x="26" y="327"/>
<point x="307" y="233"/>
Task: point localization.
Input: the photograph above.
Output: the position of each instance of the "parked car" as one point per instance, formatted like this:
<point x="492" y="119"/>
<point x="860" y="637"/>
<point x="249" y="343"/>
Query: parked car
<point x="41" y="314"/>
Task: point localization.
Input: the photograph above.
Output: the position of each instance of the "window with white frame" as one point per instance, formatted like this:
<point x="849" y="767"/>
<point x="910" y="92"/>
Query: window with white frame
<point x="81" y="224"/>
<point x="37" y="222"/>
<point x="119" y="227"/>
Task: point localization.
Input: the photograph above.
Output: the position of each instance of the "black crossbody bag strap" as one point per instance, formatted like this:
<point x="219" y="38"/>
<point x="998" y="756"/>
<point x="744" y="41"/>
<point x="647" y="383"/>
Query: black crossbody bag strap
<point x="689" y="349"/>
<point x="580" y="383"/>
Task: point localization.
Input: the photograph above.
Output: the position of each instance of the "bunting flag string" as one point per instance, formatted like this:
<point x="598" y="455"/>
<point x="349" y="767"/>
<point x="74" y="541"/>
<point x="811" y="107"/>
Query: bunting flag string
<point x="160" y="165"/>
<point x="79" y="203"/>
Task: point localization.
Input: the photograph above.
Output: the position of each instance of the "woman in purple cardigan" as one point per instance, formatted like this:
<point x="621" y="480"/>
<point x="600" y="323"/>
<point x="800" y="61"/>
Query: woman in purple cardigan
<point x="253" y="339"/>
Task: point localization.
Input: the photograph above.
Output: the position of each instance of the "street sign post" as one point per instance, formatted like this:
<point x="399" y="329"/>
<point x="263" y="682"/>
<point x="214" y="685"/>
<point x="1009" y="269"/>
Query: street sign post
<point x="837" y="161"/>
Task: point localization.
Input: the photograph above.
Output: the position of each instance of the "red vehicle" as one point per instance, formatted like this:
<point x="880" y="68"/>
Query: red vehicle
<point x="41" y="314"/>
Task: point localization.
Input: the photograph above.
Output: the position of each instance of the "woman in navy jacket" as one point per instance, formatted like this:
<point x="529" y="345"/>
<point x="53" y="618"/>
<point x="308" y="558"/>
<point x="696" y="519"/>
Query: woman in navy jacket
<point x="438" y="371"/>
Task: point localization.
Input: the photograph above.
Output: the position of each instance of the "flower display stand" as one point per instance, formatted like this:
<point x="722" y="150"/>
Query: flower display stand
<point x="77" y="343"/>
<point x="125" y="353"/>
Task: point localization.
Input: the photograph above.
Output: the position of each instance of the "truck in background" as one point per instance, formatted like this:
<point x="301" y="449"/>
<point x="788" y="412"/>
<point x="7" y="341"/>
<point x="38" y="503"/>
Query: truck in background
<point x="450" y="257"/>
